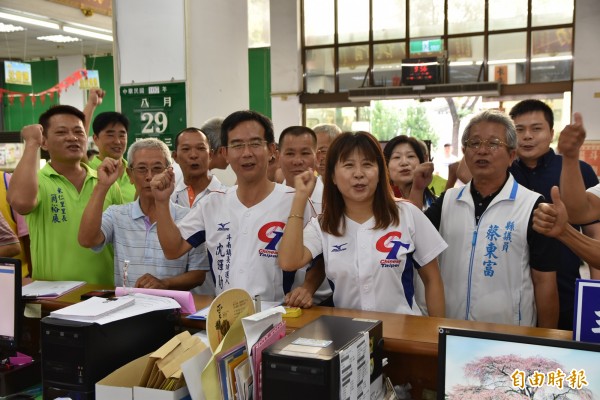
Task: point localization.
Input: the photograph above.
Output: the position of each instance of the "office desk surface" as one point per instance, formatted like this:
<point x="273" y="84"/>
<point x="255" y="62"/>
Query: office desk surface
<point x="410" y="342"/>
<point x="409" y="334"/>
<point x="406" y="334"/>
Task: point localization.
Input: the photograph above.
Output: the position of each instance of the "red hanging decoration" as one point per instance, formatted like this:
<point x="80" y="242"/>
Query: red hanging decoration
<point x="33" y="99"/>
<point x="58" y="88"/>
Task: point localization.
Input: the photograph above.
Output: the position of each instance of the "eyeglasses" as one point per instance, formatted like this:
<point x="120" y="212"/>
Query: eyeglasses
<point x="252" y="145"/>
<point x="492" y="144"/>
<point x="142" y="170"/>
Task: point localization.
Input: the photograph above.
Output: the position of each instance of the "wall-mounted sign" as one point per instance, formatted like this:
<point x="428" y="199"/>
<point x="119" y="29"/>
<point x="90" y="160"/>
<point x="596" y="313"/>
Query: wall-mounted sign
<point x="426" y="46"/>
<point x="17" y="73"/>
<point x="91" y="81"/>
<point x="590" y="153"/>
<point x="156" y="110"/>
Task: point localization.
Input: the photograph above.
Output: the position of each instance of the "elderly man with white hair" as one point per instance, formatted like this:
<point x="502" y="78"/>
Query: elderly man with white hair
<point x="496" y="267"/>
<point x="131" y="228"/>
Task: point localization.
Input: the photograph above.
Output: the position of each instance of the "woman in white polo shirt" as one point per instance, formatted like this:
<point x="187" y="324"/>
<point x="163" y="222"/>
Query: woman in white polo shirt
<point x="371" y="243"/>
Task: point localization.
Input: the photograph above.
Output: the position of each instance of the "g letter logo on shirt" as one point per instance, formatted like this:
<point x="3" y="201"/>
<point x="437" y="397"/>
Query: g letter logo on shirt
<point x="271" y="234"/>
<point x="390" y="244"/>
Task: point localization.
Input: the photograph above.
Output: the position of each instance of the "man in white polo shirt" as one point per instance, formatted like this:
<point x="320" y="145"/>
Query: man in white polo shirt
<point x="241" y="227"/>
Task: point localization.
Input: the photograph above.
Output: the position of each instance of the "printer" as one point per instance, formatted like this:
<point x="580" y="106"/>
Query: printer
<point x="75" y="355"/>
<point x="330" y="358"/>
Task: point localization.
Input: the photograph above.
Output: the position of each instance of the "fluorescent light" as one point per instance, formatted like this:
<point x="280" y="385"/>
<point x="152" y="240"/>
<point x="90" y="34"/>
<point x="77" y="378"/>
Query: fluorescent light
<point x="92" y="28"/>
<point x="30" y="21"/>
<point x="418" y="64"/>
<point x="59" y="39"/>
<point x="8" y="28"/>
<point x="550" y="59"/>
<point x="83" y="32"/>
<point x="509" y="61"/>
<point x="461" y="63"/>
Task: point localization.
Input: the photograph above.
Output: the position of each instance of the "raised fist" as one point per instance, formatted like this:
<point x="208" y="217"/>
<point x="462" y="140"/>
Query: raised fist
<point x="96" y="96"/>
<point x="32" y="134"/>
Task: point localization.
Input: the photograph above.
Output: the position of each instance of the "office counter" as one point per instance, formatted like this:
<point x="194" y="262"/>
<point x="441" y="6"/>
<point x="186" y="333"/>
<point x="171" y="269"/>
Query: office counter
<point x="410" y="342"/>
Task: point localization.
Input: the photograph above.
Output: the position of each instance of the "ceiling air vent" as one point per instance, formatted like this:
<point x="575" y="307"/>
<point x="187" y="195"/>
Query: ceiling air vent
<point x="488" y="89"/>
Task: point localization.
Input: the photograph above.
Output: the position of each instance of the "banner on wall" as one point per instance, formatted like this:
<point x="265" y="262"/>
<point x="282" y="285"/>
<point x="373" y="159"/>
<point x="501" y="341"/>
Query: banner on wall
<point x="17" y="73"/>
<point x="156" y="110"/>
<point x="58" y="89"/>
<point x="91" y="81"/>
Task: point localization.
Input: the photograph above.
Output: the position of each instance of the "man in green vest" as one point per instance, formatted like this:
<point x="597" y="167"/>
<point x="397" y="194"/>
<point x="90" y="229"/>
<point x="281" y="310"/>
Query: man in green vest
<point x="110" y="135"/>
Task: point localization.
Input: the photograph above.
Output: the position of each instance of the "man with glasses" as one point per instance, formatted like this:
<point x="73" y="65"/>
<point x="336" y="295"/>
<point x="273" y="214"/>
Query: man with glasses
<point x="496" y="268"/>
<point x="538" y="168"/>
<point x="53" y="198"/>
<point x="243" y="226"/>
<point x="131" y="228"/>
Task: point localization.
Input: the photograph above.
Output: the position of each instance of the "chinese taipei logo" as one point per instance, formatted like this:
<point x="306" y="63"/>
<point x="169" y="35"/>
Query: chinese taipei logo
<point x="271" y="234"/>
<point x="390" y="243"/>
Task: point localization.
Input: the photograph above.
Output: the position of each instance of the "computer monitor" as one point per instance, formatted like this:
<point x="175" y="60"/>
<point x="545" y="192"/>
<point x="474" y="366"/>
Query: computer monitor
<point x="10" y="306"/>
<point x="488" y="365"/>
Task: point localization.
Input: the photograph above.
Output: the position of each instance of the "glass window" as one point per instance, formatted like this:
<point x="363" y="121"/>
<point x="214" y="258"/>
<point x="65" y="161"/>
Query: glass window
<point x="465" y="57"/>
<point x="353" y="21"/>
<point x="551" y="55"/>
<point x="427" y="18"/>
<point x="319" y="22"/>
<point x="353" y="62"/>
<point x="259" y="28"/>
<point x="551" y="12"/>
<point x="507" y="14"/>
<point x="387" y="63"/>
<point x="506" y="57"/>
<point x="320" y="71"/>
<point x="465" y="16"/>
<point x="389" y="19"/>
<point x="347" y="118"/>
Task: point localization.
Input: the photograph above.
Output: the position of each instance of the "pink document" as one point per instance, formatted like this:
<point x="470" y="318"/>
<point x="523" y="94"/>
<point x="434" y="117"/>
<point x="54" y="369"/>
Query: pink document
<point x="185" y="299"/>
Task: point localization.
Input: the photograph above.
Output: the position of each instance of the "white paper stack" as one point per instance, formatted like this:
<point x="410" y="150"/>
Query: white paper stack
<point x="93" y="308"/>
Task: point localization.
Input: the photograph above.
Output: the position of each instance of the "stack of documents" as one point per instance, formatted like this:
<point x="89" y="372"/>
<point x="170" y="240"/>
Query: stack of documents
<point x="93" y="308"/>
<point x="202" y="314"/>
<point x="104" y="311"/>
<point x="49" y="289"/>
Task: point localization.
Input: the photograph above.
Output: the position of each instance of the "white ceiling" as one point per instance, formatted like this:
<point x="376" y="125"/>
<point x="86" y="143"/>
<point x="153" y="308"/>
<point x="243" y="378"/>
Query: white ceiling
<point x="23" y="45"/>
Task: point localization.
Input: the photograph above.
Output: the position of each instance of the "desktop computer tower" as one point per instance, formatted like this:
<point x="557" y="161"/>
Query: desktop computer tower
<point x="317" y="361"/>
<point x="75" y="355"/>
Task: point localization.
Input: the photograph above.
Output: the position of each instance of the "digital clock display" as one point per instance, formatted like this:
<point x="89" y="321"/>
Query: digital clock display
<point x="421" y="71"/>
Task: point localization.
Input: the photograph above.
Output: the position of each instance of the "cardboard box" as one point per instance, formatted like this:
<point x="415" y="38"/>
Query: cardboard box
<point x="121" y="385"/>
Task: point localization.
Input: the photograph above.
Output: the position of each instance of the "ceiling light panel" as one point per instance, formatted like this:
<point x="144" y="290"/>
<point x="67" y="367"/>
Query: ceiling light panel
<point x="91" y="34"/>
<point x="27" y="20"/>
<point x="59" y="39"/>
<point x="8" y="28"/>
